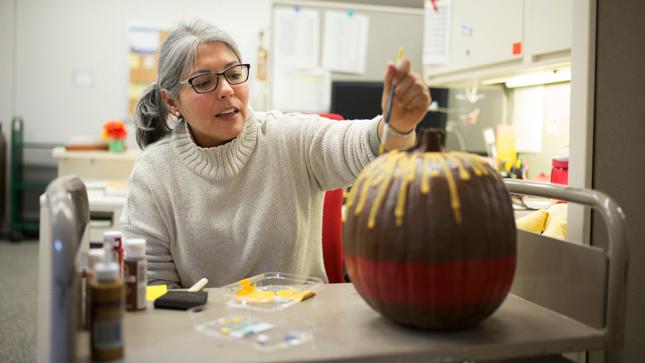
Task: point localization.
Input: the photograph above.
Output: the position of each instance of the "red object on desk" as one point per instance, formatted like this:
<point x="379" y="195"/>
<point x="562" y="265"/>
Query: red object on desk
<point x="332" y="233"/>
<point x="560" y="171"/>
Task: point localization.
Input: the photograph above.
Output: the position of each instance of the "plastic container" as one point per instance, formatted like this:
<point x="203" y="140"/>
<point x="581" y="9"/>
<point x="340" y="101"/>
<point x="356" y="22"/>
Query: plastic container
<point x="263" y="331"/>
<point x="560" y="170"/>
<point x="270" y="291"/>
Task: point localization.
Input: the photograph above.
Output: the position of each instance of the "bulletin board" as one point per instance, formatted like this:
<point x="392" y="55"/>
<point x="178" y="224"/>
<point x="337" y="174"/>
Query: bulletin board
<point x="390" y="28"/>
<point x="144" y="44"/>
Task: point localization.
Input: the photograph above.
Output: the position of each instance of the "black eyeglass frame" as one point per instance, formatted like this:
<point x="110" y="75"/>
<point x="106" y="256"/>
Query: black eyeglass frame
<point x="220" y="74"/>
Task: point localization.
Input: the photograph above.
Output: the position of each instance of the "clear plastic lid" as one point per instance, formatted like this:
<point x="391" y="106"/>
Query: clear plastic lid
<point x="263" y="332"/>
<point x="270" y="291"/>
<point x="135" y="247"/>
<point x="94" y="256"/>
<point x="106" y="271"/>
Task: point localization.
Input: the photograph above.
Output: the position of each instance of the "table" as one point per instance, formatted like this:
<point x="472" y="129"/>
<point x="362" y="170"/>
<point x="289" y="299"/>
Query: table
<point x="345" y="328"/>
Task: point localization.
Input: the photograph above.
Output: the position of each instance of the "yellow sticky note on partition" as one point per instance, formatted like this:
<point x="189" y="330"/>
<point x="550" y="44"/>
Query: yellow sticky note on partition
<point x="155" y="291"/>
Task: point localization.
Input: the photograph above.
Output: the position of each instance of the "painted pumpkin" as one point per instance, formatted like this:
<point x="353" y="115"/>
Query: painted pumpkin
<point x="429" y="236"/>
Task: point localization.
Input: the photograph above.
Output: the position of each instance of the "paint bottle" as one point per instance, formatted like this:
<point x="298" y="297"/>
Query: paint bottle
<point x="107" y="297"/>
<point x="135" y="269"/>
<point x="114" y="239"/>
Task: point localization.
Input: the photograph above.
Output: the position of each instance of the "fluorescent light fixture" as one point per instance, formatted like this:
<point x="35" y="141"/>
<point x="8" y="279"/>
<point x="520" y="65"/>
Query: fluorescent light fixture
<point x="539" y="78"/>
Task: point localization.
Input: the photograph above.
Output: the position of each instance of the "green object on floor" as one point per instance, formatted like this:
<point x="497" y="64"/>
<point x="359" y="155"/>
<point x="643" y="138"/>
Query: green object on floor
<point x="18" y="185"/>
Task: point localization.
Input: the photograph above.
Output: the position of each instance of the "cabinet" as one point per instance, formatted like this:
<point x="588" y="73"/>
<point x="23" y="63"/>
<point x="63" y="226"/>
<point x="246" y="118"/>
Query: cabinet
<point x="497" y="38"/>
<point x="547" y="28"/>
<point x="479" y="38"/>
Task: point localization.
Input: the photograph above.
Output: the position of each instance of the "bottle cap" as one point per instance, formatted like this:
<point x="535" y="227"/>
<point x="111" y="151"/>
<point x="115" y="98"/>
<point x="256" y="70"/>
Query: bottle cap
<point x="94" y="256"/>
<point x="106" y="271"/>
<point x="135" y="247"/>
<point x="113" y="238"/>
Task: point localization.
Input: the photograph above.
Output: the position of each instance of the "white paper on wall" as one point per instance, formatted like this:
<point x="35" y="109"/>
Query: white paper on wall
<point x="436" y="35"/>
<point x="296" y="43"/>
<point x="528" y="118"/>
<point x="345" y="42"/>
<point x="304" y="90"/>
<point x="296" y="37"/>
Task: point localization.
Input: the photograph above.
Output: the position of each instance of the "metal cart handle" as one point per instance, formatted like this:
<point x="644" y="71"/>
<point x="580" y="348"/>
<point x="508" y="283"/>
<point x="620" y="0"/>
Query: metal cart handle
<point x="618" y="252"/>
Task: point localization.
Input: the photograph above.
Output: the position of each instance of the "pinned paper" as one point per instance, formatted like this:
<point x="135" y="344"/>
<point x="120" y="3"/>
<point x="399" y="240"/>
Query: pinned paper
<point x="345" y="42"/>
<point x="436" y="32"/>
<point x="155" y="291"/>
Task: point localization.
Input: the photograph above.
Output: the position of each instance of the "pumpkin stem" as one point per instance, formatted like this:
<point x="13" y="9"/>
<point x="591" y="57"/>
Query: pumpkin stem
<point x="431" y="140"/>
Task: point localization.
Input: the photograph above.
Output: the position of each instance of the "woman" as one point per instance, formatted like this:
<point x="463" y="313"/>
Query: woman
<point x="228" y="193"/>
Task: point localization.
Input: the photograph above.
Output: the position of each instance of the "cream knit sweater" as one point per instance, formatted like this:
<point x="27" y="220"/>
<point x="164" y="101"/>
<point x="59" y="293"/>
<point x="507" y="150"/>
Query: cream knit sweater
<point x="249" y="206"/>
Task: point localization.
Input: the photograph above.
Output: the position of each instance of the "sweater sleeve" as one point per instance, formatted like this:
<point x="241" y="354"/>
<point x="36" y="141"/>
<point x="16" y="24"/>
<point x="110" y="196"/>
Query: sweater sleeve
<point x="142" y="218"/>
<point x="336" y="151"/>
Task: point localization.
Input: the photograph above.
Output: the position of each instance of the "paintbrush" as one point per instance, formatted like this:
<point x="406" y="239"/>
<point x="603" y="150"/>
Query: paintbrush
<point x="388" y="111"/>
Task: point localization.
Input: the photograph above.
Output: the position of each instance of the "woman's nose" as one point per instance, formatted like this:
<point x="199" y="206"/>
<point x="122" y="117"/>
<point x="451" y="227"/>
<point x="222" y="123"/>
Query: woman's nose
<point x="224" y="89"/>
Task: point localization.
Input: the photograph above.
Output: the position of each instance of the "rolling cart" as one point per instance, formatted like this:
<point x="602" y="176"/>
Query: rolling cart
<point x="581" y="282"/>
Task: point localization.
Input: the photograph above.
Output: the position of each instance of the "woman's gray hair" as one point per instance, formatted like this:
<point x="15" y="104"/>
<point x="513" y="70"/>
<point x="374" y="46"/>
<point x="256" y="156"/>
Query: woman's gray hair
<point x="177" y="56"/>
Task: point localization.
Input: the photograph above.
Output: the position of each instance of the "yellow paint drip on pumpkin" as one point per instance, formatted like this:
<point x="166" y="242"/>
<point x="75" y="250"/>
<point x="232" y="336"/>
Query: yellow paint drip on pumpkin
<point x="454" y="197"/>
<point x="396" y="164"/>
<point x="463" y="174"/>
<point x="408" y="170"/>
<point x="478" y="165"/>
<point x="388" y="169"/>
<point x="425" y="176"/>
<point x="363" y="197"/>
<point x="351" y="196"/>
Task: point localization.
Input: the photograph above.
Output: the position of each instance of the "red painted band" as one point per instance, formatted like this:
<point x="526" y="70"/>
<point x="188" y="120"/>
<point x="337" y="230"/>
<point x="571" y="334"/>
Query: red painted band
<point x="445" y="284"/>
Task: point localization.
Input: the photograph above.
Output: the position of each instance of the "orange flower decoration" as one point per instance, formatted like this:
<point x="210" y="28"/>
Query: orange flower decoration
<point x="114" y="130"/>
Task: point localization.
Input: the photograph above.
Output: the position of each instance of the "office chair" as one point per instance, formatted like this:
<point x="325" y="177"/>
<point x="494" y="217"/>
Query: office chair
<point x="332" y="233"/>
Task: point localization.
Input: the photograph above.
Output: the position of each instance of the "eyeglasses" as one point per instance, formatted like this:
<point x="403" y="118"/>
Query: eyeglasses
<point x="207" y="82"/>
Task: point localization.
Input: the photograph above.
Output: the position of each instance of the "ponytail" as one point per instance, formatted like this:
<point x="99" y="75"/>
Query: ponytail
<point x="150" y="117"/>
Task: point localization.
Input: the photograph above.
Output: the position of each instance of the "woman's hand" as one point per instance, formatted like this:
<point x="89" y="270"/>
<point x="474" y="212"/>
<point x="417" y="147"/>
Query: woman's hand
<point x="411" y="100"/>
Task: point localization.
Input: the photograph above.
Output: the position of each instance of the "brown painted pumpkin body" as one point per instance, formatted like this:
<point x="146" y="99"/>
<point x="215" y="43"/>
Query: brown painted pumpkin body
<point x="429" y="238"/>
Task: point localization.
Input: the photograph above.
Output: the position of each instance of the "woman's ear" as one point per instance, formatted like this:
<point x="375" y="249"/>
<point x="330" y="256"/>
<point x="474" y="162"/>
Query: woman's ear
<point x="171" y="104"/>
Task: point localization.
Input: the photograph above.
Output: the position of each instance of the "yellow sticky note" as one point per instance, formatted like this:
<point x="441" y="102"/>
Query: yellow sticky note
<point x="155" y="291"/>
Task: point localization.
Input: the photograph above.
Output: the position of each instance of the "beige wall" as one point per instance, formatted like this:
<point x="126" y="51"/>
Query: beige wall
<point x="7" y="8"/>
<point x="56" y="39"/>
<point x="554" y="109"/>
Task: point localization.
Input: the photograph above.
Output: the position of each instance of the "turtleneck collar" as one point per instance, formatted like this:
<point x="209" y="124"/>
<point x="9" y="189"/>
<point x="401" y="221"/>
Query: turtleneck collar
<point x="217" y="162"/>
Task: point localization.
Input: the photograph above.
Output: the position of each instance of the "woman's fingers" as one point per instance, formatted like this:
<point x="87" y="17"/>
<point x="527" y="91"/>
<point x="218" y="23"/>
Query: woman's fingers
<point x="415" y="88"/>
<point x="402" y="70"/>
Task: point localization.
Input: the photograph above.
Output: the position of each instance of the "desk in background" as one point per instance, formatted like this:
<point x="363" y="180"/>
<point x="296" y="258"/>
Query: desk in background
<point x="95" y="165"/>
<point x="105" y="175"/>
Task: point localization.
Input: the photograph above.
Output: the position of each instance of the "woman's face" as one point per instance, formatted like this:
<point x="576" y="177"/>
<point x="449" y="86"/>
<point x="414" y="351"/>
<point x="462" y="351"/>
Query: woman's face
<point x="218" y="116"/>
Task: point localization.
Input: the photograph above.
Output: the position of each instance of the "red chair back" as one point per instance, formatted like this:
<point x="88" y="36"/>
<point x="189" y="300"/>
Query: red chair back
<point x="332" y="233"/>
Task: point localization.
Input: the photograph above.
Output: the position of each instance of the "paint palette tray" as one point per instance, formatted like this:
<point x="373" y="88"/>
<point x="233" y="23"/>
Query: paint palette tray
<point x="261" y="332"/>
<point x="270" y="291"/>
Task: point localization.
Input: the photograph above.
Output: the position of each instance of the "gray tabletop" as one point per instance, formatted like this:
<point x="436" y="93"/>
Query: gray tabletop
<point x="345" y="328"/>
